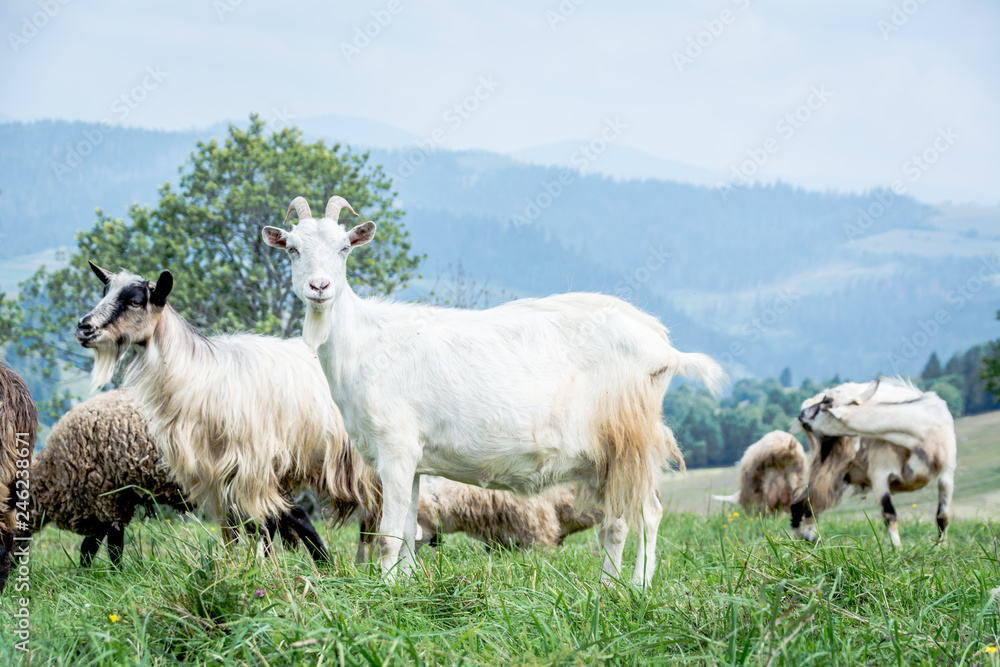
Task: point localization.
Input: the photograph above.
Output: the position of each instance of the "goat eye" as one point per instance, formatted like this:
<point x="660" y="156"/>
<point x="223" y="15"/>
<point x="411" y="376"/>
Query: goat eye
<point x="293" y="251"/>
<point x="346" y="248"/>
<point x="135" y="302"/>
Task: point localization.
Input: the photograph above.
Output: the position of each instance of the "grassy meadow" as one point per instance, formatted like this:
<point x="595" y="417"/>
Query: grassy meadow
<point x="729" y="590"/>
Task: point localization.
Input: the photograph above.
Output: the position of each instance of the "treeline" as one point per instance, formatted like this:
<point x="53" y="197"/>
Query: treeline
<point x="716" y="432"/>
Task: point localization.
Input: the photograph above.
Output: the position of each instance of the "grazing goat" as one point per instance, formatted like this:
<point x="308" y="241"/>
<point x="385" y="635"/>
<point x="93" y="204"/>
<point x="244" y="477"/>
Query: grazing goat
<point x="99" y="466"/>
<point x="772" y="475"/>
<point x="523" y="396"/>
<point x="886" y="437"/>
<point x="18" y="429"/>
<point x="241" y="420"/>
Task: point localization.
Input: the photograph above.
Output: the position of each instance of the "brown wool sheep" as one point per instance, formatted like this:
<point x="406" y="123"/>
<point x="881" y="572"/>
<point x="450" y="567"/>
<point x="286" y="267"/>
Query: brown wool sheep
<point x="500" y="518"/>
<point x="100" y="465"/>
<point x="773" y="475"/>
<point x="18" y="430"/>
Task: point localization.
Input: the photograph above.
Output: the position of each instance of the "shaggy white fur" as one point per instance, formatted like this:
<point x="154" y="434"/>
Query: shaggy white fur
<point x="239" y="419"/>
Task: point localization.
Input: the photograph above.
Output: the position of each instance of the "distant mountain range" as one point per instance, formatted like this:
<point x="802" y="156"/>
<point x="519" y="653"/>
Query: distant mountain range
<point x="762" y="277"/>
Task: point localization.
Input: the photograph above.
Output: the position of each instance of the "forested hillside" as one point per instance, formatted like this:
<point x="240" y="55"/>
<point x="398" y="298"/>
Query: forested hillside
<point x="763" y="278"/>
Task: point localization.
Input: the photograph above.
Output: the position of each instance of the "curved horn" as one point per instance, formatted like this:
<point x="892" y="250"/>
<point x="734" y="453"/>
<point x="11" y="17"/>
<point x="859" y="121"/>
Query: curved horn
<point x="334" y="205"/>
<point x="301" y="208"/>
<point x="870" y="391"/>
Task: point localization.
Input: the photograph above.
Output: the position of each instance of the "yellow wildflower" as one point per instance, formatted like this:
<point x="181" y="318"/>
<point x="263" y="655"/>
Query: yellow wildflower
<point x="990" y="649"/>
<point x="914" y="506"/>
<point x="113" y="618"/>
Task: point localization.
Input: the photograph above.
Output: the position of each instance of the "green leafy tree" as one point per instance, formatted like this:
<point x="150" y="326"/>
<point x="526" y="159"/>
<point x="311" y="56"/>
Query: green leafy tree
<point x="991" y="366"/>
<point x="207" y="233"/>
<point x="741" y="427"/>
<point x="786" y="377"/>
<point x="933" y="368"/>
<point x="951" y="394"/>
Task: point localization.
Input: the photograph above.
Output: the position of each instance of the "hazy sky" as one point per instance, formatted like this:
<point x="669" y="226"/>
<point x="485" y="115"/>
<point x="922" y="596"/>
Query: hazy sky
<point x="886" y="79"/>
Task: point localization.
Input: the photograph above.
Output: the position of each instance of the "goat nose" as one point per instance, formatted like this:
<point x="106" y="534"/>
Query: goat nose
<point x="319" y="285"/>
<point x="85" y="325"/>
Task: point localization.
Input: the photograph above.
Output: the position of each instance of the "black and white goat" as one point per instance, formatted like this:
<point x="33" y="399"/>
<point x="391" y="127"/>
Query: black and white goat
<point x="241" y="420"/>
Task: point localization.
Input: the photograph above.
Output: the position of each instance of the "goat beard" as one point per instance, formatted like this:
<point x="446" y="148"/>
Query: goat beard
<point x="106" y="356"/>
<point x="316" y="327"/>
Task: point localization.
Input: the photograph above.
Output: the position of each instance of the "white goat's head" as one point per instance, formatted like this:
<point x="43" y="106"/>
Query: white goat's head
<point x="820" y="413"/>
<point x="318" y="249"/>
<point x="127" y="313"/>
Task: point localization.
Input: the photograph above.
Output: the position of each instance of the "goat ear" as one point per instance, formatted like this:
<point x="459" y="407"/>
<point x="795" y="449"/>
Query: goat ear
<point x="161" y="290"/>
<point x="869" y="392"/>
<point x="103" y="275"/>
<point x="362" y="234"/>
<point x="274" y="237"/>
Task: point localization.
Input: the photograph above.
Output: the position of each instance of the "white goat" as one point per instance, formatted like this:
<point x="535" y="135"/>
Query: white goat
<point x="887" y="437"/>
<point x="523" y="396"/>
<point x="239" y="419"/>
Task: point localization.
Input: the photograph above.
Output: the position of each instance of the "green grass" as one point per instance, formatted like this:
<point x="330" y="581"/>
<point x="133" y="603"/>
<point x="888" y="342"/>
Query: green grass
<point x="728" y="590"/>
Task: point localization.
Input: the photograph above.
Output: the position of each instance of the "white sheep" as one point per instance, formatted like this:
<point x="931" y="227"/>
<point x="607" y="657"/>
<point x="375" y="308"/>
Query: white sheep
<point x="887" y="437"/>
<point x="524" y="396"/>
<point x="240" y="420"/>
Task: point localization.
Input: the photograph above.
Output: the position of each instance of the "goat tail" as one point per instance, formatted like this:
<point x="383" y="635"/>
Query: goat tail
<point x="704" y="367"/>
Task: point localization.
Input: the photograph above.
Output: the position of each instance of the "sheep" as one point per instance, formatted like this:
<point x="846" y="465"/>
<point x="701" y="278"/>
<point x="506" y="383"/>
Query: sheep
<point x="18" y="430"/>
<point x="239" y="419"/>
<point x="497" y="518"/>
<point x="99" y="466"/>
<point x="887" y="437"/>
<point x="772" y="475"/>
<point x="521" y="397"/>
